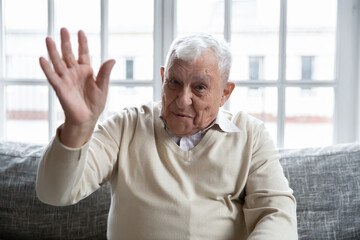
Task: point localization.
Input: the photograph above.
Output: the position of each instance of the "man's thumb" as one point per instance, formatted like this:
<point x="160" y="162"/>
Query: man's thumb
<point x="102" y="79"/>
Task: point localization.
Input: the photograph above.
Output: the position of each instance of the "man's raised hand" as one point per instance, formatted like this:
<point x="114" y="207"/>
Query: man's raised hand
<point x="81" y="94"/>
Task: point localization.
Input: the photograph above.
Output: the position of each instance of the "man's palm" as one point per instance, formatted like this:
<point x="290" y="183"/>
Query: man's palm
<point x="81" y="95"/>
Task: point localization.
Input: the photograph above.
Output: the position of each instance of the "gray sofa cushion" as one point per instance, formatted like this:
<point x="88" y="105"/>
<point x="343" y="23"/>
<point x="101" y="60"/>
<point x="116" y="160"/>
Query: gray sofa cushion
<point x="326" y="184"/>
<point x="23" y="216"/>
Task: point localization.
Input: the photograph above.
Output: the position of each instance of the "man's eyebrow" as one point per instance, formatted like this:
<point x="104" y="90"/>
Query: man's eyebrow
<point x="172" y="73"/>
<point x="202" y="77"/>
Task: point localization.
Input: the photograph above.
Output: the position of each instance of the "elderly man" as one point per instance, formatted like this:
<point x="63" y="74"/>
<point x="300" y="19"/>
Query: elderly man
<point x="179" y="169"/>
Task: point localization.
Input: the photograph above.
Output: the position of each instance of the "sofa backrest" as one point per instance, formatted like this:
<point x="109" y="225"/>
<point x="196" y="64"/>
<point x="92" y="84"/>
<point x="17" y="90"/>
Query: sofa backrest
<point x="326" y="184"/>
<point x="23" y="216"/>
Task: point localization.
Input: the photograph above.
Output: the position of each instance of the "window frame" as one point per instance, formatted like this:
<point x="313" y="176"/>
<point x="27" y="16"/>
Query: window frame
<point x="346" y="84"/>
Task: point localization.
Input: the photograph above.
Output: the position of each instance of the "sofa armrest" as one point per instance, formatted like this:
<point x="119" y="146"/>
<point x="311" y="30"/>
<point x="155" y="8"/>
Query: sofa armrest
<point x="23" y="216"/>
<point x="326" y="184"/>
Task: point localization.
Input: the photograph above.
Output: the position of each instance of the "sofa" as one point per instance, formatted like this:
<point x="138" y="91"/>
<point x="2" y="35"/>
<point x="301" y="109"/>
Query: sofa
<point x="326" y="184"/>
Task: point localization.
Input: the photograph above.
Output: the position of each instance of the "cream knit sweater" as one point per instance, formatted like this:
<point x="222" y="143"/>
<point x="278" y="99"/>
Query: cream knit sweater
<point x="230" y="186"/>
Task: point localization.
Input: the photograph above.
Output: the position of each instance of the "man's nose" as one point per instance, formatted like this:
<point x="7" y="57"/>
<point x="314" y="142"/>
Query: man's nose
<point x="184" y="98"/>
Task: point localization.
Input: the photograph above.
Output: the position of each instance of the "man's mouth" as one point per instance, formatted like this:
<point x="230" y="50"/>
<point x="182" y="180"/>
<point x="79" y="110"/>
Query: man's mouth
<point x="182" y="115"/>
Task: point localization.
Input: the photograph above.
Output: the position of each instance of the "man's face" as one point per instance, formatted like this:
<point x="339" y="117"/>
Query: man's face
<point x="192" y="93"/>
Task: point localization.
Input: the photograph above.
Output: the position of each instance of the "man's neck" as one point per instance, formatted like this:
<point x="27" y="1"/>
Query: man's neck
<point x="189" y="142"/>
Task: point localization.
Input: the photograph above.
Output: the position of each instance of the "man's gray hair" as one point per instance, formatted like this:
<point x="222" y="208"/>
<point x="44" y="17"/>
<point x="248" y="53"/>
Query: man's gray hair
<point x="189" y="47"/>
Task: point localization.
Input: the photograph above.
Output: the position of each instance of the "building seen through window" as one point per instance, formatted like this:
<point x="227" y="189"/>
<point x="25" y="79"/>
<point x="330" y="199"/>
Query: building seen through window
<point x="129" y="68"/>
<point x="306" y="67"/>
<point x="255" y="68"/>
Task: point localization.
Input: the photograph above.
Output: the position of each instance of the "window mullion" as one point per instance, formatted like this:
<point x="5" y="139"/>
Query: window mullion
<point x="357" y="103"/>
<point x="227" y="21"/>
<point x="227" y="32"/>
<point x="164" y="33"/>
<point x="104" y="42"/>
<point x="158" y="51"/>
<point x="104" y="33"/>
<point x="169" y="24"/>
<point x="346" y="95"/>
<point x="282" y="71"/>
<point x="51" y="97"/>
<point x="2" y="73"/>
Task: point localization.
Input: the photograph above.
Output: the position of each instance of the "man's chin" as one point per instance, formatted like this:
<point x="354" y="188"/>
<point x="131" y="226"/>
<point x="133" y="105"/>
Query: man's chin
<point x="182" y="131"/>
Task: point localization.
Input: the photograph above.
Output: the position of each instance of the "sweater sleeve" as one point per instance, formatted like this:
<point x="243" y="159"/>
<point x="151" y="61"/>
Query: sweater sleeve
<point x="67" y="175"/>
<point x="269" y="208"/>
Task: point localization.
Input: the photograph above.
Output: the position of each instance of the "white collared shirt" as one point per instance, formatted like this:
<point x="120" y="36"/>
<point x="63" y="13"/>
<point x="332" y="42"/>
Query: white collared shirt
<point x="189" y="142"/>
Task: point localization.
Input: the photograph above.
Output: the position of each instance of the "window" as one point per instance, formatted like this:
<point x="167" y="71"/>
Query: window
<point x="29" y="109"/>
<point x="299" y="63"/>
<point x="306" y="67"/>
<point x="255" y="68"/>
<point x="277" y="53"/>
<point x="255" y="71"/>
<point x="129" y="69"/>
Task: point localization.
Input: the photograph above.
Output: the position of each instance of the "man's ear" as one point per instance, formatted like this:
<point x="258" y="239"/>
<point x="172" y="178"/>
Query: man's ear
<point x="229" y="87"/>
<point x="162" y="71"/>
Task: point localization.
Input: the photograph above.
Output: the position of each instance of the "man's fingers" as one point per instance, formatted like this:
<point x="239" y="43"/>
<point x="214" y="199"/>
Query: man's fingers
<point x="66" y="50"/>
<point x="52" y="77"/>
<point x="103" y="76"/>
<point x="84" y="57"/>
<point x="59" y="65"/>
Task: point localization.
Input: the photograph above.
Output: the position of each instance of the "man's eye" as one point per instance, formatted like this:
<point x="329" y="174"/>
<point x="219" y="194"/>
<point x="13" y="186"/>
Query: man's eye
<point x="200" y="87"/>
<point x="173" y="81"/>
<point x="173" y="84"/>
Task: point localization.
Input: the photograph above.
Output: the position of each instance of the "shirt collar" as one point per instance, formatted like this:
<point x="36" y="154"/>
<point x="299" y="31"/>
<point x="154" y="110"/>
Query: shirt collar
<point x="225" y="124"/>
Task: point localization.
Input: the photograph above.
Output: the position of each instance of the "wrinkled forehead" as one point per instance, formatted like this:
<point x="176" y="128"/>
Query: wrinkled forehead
<point x="193" y="74"/>
<point x="208" y="58"/>
<point x="203" y="68"/>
